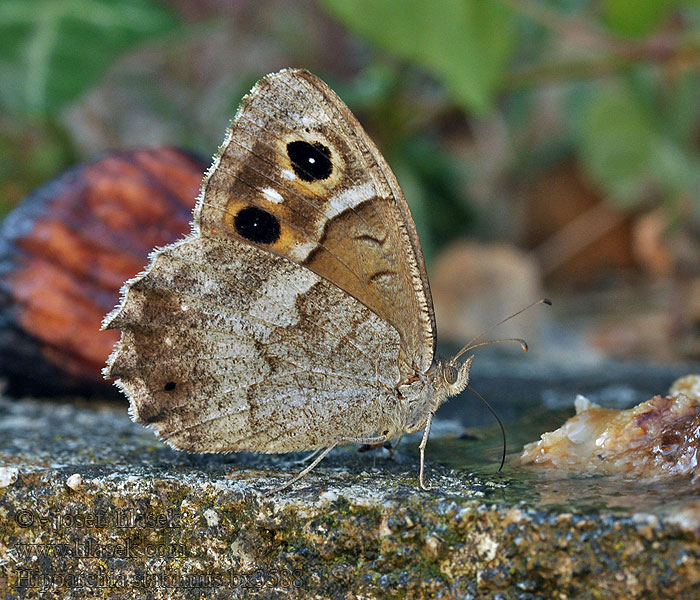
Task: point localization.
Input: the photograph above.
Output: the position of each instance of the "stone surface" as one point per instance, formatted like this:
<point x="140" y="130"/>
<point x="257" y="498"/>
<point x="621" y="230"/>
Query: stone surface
<point x="101" y="508"/>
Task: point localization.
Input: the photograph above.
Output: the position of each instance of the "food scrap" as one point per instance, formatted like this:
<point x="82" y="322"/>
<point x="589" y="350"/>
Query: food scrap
<point x="656" y="439"/>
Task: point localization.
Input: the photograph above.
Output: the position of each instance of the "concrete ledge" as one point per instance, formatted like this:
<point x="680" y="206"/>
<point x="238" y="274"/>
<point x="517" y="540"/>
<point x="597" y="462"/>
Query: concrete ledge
<point x="100" y="508"/>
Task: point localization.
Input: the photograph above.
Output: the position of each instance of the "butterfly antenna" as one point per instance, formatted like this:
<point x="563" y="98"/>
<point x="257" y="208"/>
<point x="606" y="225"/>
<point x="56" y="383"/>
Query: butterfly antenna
<point x="522" y="342"/>
<point x="500" y="424"/>
<point x="471" y="344"/>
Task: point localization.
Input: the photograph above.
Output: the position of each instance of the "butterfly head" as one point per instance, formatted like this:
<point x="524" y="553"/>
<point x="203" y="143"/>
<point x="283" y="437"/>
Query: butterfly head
<point x="452" y="376"/>
<point x="446" y="378"/>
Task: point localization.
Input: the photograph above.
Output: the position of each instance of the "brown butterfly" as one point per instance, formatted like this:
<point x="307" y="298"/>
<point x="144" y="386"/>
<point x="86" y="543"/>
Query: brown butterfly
<point x="297" y="315"/>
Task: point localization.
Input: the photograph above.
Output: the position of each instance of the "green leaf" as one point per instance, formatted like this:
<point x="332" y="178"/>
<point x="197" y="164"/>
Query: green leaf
<point x="677" y="171"/>
<point x="636" y="18"/>
<point x="615" y="143"/>
<point x="464" y="43"/>
<point x="625" y="150"/>
<point x="53" y="50"/>
<point x="681" y="104"/>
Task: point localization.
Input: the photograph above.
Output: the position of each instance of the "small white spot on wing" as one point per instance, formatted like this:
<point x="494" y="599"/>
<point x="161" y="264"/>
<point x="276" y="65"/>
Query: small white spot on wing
<point x="273" y="195"/>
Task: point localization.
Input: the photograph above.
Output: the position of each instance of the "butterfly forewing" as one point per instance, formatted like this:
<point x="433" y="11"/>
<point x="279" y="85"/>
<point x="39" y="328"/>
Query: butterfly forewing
<point x="298" y="176"/>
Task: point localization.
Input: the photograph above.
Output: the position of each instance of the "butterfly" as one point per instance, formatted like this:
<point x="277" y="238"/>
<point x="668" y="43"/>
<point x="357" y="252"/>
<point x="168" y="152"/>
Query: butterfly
<point x="297" y="314"/>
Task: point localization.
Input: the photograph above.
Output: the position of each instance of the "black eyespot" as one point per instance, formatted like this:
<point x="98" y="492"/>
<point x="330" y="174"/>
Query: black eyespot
<point x="170" y="386"/>
<point x="257" y="225"/>
<point x="310" y="162"/>
<point x="451" y="374"/>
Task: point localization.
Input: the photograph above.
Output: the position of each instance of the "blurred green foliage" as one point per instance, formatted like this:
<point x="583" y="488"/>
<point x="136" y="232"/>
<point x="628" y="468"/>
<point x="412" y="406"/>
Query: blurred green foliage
<point x="637" y="18"/>
<point x="637" y="120"/>
<point x="53" y="50"/>
<point x="632" y="149"/>
<point x="464" y="42"/>
<point x="622" y="78"/>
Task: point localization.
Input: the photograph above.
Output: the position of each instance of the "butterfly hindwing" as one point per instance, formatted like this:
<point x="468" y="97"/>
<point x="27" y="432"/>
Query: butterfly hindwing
<point x="229" y="347"/>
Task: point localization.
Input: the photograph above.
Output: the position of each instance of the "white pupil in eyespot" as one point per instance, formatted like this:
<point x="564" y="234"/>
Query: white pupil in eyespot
<point x="312" y="160"/>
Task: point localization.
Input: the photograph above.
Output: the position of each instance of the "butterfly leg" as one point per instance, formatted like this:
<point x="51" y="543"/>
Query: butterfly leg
<point x="305" y="471"/>
<point x="387" y="446"/>
<point x="308" y="457"/>
<point x="391" y="449"/>
<point x="368" y="447"/>
<point x="322" y="455"/>
<point x="423" y="444"/>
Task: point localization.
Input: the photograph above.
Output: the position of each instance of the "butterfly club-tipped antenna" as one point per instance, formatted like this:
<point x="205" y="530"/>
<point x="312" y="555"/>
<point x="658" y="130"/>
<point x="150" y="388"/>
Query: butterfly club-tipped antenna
<point x="474" y="343"/>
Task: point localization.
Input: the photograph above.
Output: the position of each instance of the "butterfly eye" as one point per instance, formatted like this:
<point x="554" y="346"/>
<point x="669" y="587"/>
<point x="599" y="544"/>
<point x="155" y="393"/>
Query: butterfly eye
<point x="450" y="374"/>
<point x="257" y="225"/>
<point x="310" y="162"/>
<point x="170" y="386"/>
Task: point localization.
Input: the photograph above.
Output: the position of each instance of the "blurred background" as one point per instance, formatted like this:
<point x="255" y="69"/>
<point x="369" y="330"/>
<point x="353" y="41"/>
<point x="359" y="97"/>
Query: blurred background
<point x="546" y="147"/>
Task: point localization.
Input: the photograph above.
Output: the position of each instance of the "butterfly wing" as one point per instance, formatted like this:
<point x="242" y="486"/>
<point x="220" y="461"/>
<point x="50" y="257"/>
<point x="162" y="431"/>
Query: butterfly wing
<point x="298" y="176"/>
<point x="229" y="347"/>
<point x="299" y="302"/>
